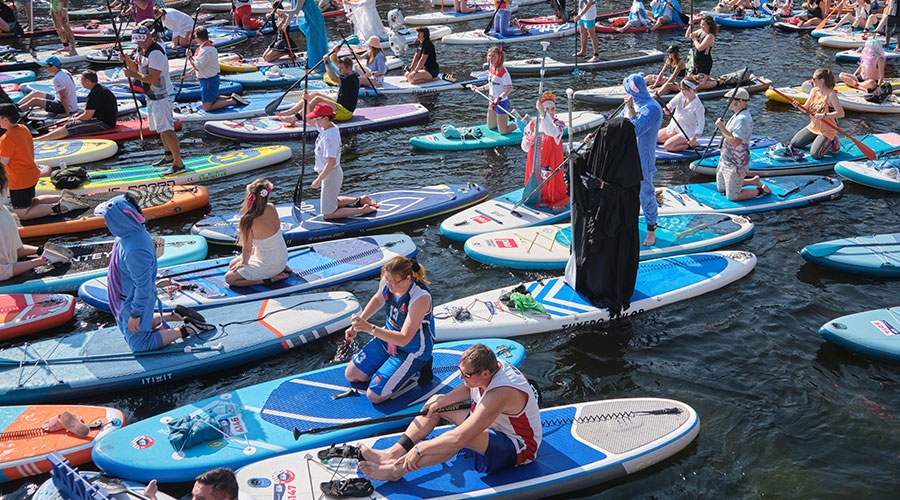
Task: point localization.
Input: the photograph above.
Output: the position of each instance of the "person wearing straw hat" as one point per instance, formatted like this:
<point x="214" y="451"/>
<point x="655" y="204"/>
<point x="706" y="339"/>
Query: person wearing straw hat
<point x="646" y="115"/>
<point x="688" y="119"/>
<point x="734" y="160"/>
<point x="375" y="66"/>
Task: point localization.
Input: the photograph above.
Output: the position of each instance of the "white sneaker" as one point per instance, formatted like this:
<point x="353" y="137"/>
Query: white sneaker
<point x="56" y="254"/>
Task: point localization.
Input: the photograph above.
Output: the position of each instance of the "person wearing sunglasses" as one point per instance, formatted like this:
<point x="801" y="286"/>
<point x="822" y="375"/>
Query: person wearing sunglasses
<point x="502" y="427"/>
<point x="734" y="161"/>
<point x="215" y="484"/>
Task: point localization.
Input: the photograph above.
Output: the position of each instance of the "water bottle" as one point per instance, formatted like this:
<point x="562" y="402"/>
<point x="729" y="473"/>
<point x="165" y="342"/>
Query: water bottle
<point x="61" y="166"/>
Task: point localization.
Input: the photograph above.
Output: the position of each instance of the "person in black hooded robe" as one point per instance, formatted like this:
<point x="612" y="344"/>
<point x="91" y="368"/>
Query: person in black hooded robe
<point x="605" y="207"/>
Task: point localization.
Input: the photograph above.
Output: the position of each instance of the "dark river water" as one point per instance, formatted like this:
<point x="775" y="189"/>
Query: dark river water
<point x="783" y="413"/>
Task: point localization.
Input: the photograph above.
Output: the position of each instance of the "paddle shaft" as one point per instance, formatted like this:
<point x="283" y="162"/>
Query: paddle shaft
<point x="109" y="357"/>
<point x="464" y="405"/>
<point x="701" y="227"/>
<point x="356" y="58"/>
<point x="298" y="189"/>
<point x="865" y="150"/>
<point x="137" y="107"/>
<point x="272" y="107"/>
<point x="823" y="249"/>
<point x="536" y="147"/>
<point x="186" y="58"/>
<point x="511" y="112"/>
<point x="724" y="112"/>
<point x="487" y="29"/>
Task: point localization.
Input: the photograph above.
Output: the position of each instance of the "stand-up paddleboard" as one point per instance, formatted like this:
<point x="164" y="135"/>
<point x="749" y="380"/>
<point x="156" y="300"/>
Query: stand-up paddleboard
<point x="363" y="120"/>
<point x="855" y="100"/>
<point x="73" y="152"/>
<point x="876" y="255"/>
<point x="21" y="314"/>
<point x="792" y="24"/>
<point x="109" y="56"/>
<point x="614" y="95"/>
<point x="499" y="213"/>
<point x="176" y="68"/>
<point x="608" y="60"/>
<point x="126" y="129"/>
<point x="481" y="137"/>
<point x="582" y="445"/>
<point x="92" y="362"/>
<point x="451" y="16"/>
<point x="197" y="169"/>
<point x="748" y="20"/>
<point x="68" y="483"/>
<point x="660" y="282"/>
<point x="267" y="78"/>
<point x="484" y="4"/>
<point x="305" y="224"/>
<point x="764" y="162"/>
<point x="200" y="285"/>
<point x="257" y="8"/>
<point x="548" y="247"/>
<point x="91" y="260"/>
<point x="102" y="12"/>
<point x="844" y="40"/>
<point x="530" y="33"/>
<point x="879" y="174"/>
<point x="194" y="112"/>
<point x="611" y="26"/>
<point x="875" y="333"/>
<point x="707" y="148"/>
<point x="790" y="191"/>
<point x="24" y="444"/>
<point x="17" y="76"/>
<point x="853" y="55"/>
<point x="261" y="418"/>
<point x="398" y="85"/>
<point x="800" y="93"/>
<point x="156" y="202"/>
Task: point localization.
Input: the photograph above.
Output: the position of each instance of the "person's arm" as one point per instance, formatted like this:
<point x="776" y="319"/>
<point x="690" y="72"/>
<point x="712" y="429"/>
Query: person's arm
<point x="587" y="7"/>
<point x="707" y="42"/>
<point x="373" y="306"/>
<point x="417" y="312"/>
<point x="330" y="162"/>
<point x="329" y="61"/>
<point x="834" y="103"/>
<point x="141" y="269"/>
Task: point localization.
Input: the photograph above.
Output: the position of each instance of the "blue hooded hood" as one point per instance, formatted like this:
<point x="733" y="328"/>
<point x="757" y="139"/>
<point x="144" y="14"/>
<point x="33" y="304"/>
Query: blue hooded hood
<point x="637" y="88"/>
<point x="123" y="218"/>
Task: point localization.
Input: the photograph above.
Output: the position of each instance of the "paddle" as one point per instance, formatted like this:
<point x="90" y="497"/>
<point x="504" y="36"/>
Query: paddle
<point x="110" y="357"/>
<point x="464" y="405"/>
<point x="701" y="227"/>
<point x="371" y="82"/>
<point x="681" y="15"/>
<point x="825" y="19"/>
<point x="490" y="24"/>
<point x="186" y="58"/>
<point x="298" y="188"/>
<point x="291" y="251"/>
<point x="536" y="147"/>
<point x="675" y="121"/>
<point x="798" y="188"/>
<point x="272" y="107"/>
<point x="576" y="71"/>
<point x="119" y="48"/>
<point x="866" y="150"/>
<point x="520" y="122"/>
<point x="569" y="94"/>
<point x="115" y="486"/>
<point x="724" y="112"/>
<point x="826" y="248"/>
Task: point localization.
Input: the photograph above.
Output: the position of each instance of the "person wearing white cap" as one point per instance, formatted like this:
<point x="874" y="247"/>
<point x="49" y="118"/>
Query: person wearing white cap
<point x="688" y="119"/>
<point x="734" y="161"/>
<point x="65" y="102"/>
<point x="372" y="72"/>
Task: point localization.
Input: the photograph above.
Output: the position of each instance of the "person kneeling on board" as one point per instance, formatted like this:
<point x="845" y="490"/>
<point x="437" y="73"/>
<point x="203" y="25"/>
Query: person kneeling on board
<point x="399" y="355"/>
<point x="734" y="161"/>
<point x="101" y="112"/>
<point x="502" y="427"/>
<point x="206" y="64"/>
<point x="825" y="108"/>
<point x="132" y="281"/>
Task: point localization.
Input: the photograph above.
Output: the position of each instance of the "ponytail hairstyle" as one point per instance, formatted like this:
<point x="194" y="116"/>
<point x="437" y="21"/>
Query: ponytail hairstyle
<point x="255" y="204"/>
<point x="497" y="49"/>
<point x="403" y="266"/>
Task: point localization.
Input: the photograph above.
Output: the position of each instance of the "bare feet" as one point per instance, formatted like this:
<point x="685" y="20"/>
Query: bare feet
<point x="367" y="200"/>
<point x="380" y="472"/>
<point x="151" y="489"/>
<point x="367" y="209"/>
<point x="376" y="457"/>
<point x="650" y="240"/>
<point x="280" y="277"/>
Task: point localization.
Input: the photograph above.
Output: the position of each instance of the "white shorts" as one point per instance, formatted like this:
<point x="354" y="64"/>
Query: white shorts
<point x="331" y="189"/>
<point x="161" y="113"/>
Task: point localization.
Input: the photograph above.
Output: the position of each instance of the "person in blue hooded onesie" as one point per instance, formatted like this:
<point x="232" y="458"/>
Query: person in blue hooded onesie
<point x="646" y="115"/>
<point x="132" y="279"/>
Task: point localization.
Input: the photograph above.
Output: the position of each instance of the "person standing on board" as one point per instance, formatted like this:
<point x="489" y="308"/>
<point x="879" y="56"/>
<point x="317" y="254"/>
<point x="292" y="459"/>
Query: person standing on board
<point x="499" y="85"/>
<point x="646" y="115"/>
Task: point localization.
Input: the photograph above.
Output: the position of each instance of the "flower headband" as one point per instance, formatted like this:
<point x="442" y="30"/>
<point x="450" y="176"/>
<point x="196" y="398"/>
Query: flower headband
<point x="263" y="193"/>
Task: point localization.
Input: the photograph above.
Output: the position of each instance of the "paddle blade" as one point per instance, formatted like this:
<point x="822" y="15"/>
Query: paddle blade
<point x="825" y="19"/>
<point x="272" y="107"/>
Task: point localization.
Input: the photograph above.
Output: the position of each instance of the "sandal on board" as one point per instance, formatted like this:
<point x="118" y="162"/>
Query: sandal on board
<point x="340" y="451"/>
<point x="69" y="422"/>
<point x="348" y="488"/>
<point x="186" y="312"/>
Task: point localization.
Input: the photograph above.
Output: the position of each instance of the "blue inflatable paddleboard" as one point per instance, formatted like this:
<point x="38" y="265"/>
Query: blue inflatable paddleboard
<point x="875" y="334"/>
<point x="879" y="174"/>
<point x="691" y="154"/>
<point x="787" y="192"/>
<point x="877" y="255"/>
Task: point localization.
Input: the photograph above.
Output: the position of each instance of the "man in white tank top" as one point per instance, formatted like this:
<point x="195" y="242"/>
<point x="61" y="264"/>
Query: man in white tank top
<point x="502" y="425"/>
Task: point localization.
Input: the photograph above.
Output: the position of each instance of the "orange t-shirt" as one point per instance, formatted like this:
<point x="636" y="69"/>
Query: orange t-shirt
<point x="17" y="145"/>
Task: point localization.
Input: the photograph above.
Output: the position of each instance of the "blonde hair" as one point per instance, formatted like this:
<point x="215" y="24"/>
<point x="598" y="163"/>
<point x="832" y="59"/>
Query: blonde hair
<point x="496" y="49"/>
<point x="255" y="204"/>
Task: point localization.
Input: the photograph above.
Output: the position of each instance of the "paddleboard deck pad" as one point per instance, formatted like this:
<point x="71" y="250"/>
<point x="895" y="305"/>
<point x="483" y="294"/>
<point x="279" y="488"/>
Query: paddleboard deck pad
<point x="21" y="314"/>
<point x="608" y="60"/>
<point x="499" y="213"/>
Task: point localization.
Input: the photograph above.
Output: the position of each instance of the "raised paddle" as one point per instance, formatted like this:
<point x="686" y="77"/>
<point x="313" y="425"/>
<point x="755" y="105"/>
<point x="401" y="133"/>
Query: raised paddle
<point x="724" y="112"/>
<point x="866" y="150"/>
<point x="826" y="248"/>
<point x="119" y="48"/>
<point x="371" y="82"/>
<point x="272" y="107"/>
<point x="538" y="137"/>
<point x="186" y="58"/>
<point x="464" y="405"/>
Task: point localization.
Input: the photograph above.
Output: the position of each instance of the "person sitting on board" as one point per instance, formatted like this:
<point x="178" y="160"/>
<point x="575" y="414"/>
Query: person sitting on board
<point x="687" y="112"/>
<point x="59" y="14"/>
<point x="502" y="427"/>
<point x="702" y="41"/>
<point x="869" y="73"/>
<point x="890" y="21"/>
<point x="586" y="19"/>
<point x="734" y="160"/>
<point x="243" y="15"/>
<point x="132" y="281"/>
<point x="22" y="173"/>
<point x="499" y="86"/>
<point x="372" y="72"/>
<point x="328" y="166"/>
<point x="206" y="65"/>
<point x="637" y="17"/>
<point x="424" y="67"/>
<point x="399" y="354"/>
<point x="263" y="258"/>
<point x="554" y="194"/>
<point x="813" y="15"/>
<point x="101" y="111"/>
<point x="180" y="23"/>
<point x="462" y="7"/>
<point x="64" y="102"/>
<point x="502" y="20"/>
<point x="283" y="45"/>
<point x="9" y="22"/>
<point x="659" y="83"/>
<point x="13" y="251"/>
<point x="347" y="98"/>
<point x="824" y="107"/>
<point x="646" y="115"/>
<point x="216" y="484"/>
<point x="665" y="12"/>
<point x="861" y="18"/>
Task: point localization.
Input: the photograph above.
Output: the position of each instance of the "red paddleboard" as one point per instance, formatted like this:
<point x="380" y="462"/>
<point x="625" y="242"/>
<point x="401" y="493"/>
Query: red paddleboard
<point x="126" y="129"/>
<point x="21" y="314"/>
<point x="611" y="25"/>
<point x="556" y="20"/>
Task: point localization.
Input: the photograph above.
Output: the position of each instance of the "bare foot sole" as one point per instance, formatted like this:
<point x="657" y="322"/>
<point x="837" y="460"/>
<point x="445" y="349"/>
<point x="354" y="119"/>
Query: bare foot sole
<point x="379" y="472"/>
<point x="280" y="277"/>
<point x="151" y="489"/>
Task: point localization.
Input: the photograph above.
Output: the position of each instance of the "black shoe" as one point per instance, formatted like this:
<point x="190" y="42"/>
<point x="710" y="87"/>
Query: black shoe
<point x="347" y="488"/>
<point x="426" y="374"/>
<point x="165" y="160"/>
<point x="340" y="451"/>
<point x="174" y="169"/>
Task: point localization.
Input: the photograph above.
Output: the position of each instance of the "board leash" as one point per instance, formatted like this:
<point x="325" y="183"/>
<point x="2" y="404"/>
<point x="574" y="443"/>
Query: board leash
<point x="620" y="415"/>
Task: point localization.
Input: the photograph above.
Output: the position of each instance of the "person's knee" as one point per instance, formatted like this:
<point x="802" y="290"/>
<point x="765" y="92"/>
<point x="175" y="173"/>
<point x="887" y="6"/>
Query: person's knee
<point x="733" y="195"/>
<point x="377" y="398"/>
<point x="207" y="106"/>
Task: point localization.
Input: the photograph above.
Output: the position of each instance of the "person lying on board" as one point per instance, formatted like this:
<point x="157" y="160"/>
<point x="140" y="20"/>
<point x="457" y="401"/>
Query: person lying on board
<point x="101" y="111"/>
<point x="347" y="98"/>
<point x="502" y="427"/>
<point x="263" y="258"/>
<point x="399" y="354"/>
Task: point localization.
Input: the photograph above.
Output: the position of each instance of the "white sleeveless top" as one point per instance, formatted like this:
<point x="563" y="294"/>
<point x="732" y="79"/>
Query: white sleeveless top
<point x="523" y="429"/>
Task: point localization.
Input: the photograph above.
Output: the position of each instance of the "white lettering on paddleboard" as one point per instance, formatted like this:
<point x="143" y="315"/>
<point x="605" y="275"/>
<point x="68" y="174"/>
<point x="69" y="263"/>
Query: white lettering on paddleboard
<point x="601" y="320"/>
<point x="156" y="379"/>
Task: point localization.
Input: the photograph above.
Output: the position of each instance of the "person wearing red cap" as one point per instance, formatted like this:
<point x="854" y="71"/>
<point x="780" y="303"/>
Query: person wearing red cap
<point x="328" y="165"/>
<point x="554" y="194"/>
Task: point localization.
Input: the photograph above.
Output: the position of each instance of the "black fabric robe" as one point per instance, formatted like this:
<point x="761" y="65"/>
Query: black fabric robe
<point x="605" y="207"/>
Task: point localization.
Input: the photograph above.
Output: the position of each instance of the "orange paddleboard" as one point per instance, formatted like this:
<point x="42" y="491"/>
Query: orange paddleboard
<point x="21" y="314"/>
<point x="24" y="445"/>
